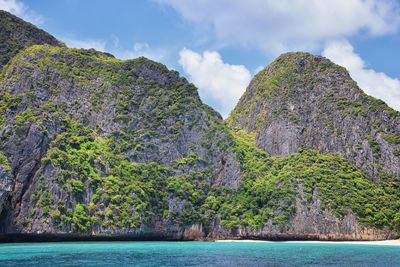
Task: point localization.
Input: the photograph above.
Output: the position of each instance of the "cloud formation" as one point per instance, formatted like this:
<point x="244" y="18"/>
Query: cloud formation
<point x="374" y="83"/>
<point x="112" y="46"/>
<point x="99" y="45"/>
<point x="12" y="6"/>
<point x="19" y="9"/>
<point x="276" y="26"/>
<point x="218" y="81"/>
<point x="140" y="50"/>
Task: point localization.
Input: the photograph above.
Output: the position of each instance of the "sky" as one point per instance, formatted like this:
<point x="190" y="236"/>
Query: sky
<point x="219" y="45"/>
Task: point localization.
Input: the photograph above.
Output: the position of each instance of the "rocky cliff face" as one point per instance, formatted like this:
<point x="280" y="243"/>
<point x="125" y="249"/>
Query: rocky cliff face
<point x="92" y="146"/>
<point x="81" y="118"/>
<point x="306" y="101"/>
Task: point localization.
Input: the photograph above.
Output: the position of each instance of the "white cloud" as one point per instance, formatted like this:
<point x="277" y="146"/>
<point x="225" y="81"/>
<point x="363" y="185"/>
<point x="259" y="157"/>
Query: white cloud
<point x="19" y="9"/>
<point x="99" y="45"/>
<point x="276" y="26"/>
<point x="140" y="50"/>
<point x="374" y="83"/>
<point x="217" y="81"/>
<point x="113" y="46"/>
<point x="12" y="6"/>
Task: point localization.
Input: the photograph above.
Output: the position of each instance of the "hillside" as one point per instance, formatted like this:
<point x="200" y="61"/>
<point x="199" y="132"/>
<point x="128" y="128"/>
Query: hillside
<point x="302" y="101"/>
<point x="16" y="34"/>
<point x="93" y="146"/>
<point x="86" y="131"/>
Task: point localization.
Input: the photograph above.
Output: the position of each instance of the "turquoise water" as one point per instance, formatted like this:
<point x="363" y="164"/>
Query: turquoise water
<point x="196" y="254"/>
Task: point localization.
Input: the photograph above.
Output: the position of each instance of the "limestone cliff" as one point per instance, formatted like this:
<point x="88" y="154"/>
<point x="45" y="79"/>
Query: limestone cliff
<point x="306" y="101"/>
<point x="80" y="128"/>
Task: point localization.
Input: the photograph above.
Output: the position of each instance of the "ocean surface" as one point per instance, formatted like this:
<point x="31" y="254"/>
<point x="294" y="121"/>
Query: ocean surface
<point x="196" y="254"/>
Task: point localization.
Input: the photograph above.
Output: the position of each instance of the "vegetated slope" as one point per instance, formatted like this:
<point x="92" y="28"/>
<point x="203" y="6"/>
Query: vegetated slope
<point x="16" y="34"/>
<point x="305" y="195"/>
<point x="107" y="145"/>
<point x="306" y="101"/>
<point x="96" y="146"/>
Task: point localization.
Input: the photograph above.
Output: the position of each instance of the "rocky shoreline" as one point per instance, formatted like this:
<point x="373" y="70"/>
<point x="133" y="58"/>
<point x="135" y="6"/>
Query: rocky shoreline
<point x="20" y="237"/>
<point x="392" y="242"/>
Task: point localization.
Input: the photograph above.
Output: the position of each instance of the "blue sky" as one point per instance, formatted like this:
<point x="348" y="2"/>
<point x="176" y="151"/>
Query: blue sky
<point x="220" y="44"/>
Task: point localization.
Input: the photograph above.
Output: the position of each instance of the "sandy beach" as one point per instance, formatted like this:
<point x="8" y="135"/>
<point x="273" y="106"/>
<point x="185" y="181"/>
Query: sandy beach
<point x="383" y="242"/>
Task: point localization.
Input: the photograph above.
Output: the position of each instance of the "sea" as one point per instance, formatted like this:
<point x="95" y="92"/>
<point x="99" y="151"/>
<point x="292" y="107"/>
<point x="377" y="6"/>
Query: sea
<point x="197" y="254"/>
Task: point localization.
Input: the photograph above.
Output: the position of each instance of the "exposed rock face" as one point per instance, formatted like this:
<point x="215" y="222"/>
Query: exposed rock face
<point x="308" y="224"/>
<point x="314" y="221"/>
<point x="6" y="183"/>
<point x="16" y="35"/>
<point x="306" y="101"/>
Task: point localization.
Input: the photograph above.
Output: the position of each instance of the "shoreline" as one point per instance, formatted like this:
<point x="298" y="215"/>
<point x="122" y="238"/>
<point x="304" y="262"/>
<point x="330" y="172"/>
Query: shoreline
<point x="28" y="238"/>
<point x="394" y="242"/>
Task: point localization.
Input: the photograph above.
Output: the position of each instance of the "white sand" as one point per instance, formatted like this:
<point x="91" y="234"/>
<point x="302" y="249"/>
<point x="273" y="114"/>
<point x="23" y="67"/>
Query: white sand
<point x="384" y="242"/>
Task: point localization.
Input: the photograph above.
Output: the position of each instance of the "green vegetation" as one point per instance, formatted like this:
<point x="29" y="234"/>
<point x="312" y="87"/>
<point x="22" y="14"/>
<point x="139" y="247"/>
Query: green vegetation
<point x="376" y="148"/>
<point x="28" y="35"/>
<point x="4" y="162"/>
<point x="392" y="138"/>
<point x="277" y="83"/>
<point x="316" y="104"/>
<point x="120" y="198"/>
<point x="272" y="185"/>
<point x="125" y="194"/>
<point x="80" y="218"/>
<point x="144" y="108"/>
<point x="348" y="106"/>
<point x="101" y="182"/>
